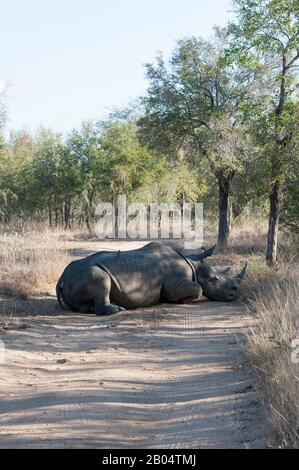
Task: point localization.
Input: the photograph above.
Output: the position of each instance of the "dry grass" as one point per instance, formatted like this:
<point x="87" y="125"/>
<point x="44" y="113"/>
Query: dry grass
<point x="272" y="297"/>
<point x="31" y="263"/>
<point x="248" y="237"/>
<point x="35" y="229"/>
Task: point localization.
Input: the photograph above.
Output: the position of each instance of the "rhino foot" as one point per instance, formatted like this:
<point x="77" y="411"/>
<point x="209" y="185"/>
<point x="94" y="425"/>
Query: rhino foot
<point x="109" y="309"/>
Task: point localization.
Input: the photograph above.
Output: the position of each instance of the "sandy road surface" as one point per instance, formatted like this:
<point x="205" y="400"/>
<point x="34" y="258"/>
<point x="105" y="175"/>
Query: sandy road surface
<point x="167" y="377"/>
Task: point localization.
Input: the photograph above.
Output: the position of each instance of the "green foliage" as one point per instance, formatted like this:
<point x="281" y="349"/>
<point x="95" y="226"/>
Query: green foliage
<point x="128" y="164"/>
<point x="266" y="34"/>
<point x="46" y="177"/>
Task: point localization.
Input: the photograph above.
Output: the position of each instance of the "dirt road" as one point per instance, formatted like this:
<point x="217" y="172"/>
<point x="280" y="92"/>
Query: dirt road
<point x="171" y="377"/>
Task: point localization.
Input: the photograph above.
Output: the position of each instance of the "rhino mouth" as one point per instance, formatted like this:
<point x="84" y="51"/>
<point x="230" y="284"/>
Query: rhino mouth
<point x="228" y="297"/>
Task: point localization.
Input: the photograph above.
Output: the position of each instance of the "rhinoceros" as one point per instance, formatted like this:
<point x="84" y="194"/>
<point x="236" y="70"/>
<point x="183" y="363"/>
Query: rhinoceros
<point x="110" y="281"/>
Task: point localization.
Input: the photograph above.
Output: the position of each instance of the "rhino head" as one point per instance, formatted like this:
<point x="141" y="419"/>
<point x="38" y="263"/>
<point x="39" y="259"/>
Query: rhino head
<point x="216" y="285"/>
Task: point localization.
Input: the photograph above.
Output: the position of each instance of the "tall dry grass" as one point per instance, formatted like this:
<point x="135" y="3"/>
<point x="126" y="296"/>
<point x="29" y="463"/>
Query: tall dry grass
<point x="30" y="263"/>
<point x="272" y="297"/>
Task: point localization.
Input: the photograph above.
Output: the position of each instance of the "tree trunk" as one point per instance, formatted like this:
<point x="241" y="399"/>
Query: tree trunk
<point x="88" y="225"/>
<point x="230" y="214"/>
<point x="276" y="170"/>
<point x="274" y="197"/>
<point x="50" y="211"/>
<point x="67" y="224"/>
<point x="89" y="211"/>
<point x="88" y="219"/>
<point x="223" y="215"/>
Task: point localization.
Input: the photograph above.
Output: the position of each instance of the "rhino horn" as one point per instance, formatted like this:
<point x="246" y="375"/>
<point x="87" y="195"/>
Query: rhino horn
<point x="206" y="253"/>
<point x="225" y="271"/>
<point x="241" y="274"/>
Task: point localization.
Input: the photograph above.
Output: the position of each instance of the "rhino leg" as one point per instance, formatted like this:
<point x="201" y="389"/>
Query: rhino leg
<point x="184" y="291"/>
<point x="102" y="305"/>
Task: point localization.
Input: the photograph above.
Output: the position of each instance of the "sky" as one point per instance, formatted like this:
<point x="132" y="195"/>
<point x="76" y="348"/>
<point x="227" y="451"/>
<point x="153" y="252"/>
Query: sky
<point x="65" y="61"/>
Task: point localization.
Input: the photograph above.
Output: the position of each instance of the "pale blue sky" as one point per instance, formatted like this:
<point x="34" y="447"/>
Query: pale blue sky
<point x="71" y="60"/>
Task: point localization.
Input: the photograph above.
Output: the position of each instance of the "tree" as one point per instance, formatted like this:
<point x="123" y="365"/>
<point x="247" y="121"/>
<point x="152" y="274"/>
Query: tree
<point x="46" y="185"/>
<point x="84" y="147"/>
<point x="3" y="189"/>
<point x="16" y="158"/>
<point x="2" y="112"/>
<point x="290" y="202"/>
<point x="129" y="165"/>
<point x="111" y="161"/>
<point x="266" y="33"/>
<point x="195" y="105"/>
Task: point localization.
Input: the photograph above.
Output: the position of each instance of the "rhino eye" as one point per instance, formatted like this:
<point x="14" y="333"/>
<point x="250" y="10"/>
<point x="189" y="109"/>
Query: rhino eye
<point x="214" y="279"/>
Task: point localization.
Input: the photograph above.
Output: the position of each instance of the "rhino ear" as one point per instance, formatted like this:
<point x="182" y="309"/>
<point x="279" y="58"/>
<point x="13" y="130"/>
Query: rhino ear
<point x="206" y="253"/>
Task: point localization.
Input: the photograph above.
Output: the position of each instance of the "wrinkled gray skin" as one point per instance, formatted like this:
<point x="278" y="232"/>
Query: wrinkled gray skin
<point x="108" y="282"/>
